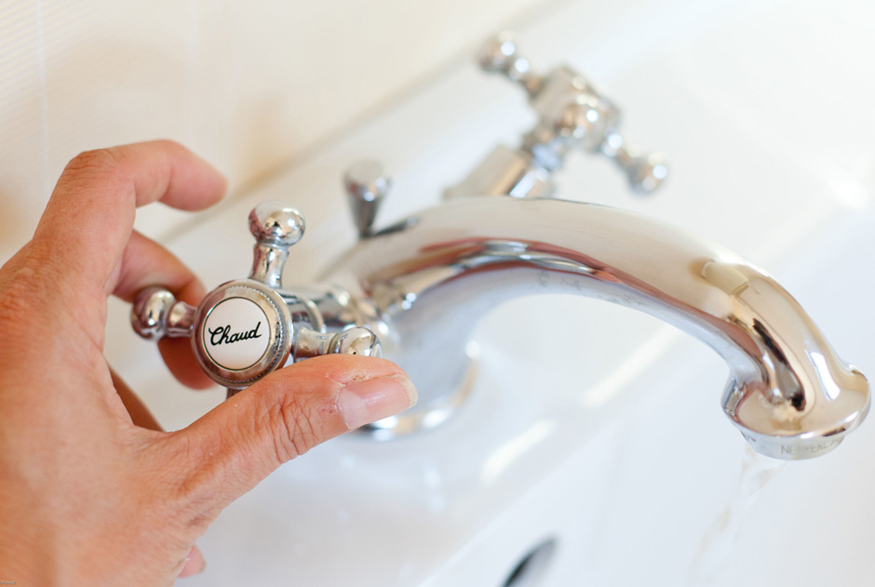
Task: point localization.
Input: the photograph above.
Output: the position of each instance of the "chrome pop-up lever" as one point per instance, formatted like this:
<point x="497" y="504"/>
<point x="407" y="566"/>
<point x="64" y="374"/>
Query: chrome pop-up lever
<point x="246" y="328"/>
<point x="572" y="114"/>
<point x="366" y="185"/>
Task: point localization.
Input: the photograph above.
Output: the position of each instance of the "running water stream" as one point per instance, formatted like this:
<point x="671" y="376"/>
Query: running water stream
<point x="757" y="471"/>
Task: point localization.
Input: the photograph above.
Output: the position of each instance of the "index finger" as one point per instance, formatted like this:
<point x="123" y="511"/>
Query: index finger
<point x="90" y="216"/>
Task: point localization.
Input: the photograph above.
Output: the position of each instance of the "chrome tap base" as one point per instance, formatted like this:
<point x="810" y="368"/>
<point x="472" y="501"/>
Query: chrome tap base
<point x="436" y="414"/>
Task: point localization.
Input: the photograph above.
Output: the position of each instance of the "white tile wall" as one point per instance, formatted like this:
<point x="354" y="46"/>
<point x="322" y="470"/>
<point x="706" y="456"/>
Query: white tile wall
<point x="248" y="85"/>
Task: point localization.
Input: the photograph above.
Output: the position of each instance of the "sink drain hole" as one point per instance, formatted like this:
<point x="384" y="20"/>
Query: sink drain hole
<point x="531" y="568"/>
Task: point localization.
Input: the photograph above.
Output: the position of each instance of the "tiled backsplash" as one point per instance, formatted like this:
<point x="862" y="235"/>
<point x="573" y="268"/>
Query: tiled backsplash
<point x="248" y="85"/>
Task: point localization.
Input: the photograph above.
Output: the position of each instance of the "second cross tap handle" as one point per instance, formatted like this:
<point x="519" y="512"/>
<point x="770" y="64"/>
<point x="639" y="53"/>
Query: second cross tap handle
<point x="572" y="113"/>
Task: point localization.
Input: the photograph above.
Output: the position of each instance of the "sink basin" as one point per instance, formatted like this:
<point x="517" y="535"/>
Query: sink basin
<point x="592" y="452"/>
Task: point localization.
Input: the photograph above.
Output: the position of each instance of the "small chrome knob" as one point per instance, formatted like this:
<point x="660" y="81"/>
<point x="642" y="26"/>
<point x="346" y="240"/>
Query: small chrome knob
<point x="149" y="313"/>
<point x="352" y="341"/>
<point x="157" y="313"/>
<point x="356" y="341"/>
<point x="499" y="55"/>
<point x="274" y="224"/>
<point x="645" y="172"/>
<point x="276" y="227"/>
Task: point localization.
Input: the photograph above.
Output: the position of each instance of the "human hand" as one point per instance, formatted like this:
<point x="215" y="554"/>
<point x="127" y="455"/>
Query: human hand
<point x="89" y="494"/>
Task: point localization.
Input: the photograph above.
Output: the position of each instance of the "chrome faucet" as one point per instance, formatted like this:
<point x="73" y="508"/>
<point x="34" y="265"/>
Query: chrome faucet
<point x="425" y="283"/>
<point x="422" y="285"/>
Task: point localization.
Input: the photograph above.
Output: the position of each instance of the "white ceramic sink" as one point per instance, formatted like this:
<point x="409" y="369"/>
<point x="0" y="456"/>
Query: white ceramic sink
<point x="600" y="436"/>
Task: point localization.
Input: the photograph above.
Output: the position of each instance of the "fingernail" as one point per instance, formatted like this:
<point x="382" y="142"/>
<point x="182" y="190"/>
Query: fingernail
<point x="195" y="564"/>
<point x="369" y="400"/>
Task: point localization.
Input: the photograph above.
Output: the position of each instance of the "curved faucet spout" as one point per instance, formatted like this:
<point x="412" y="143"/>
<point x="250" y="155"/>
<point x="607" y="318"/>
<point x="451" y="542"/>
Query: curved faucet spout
<point x="424" y="285"/>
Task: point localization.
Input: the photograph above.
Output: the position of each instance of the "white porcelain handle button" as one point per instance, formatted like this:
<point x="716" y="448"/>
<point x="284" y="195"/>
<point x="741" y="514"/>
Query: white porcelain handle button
<point x="236" y="334"/>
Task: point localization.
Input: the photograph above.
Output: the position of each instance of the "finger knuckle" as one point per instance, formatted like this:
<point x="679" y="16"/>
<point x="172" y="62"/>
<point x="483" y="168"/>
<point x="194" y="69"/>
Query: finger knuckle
<point x="97" y="165"/>
<point x="298" y="430"/>
<point x="188" y="493"/>
<point x="97" y="160"/>
<point x="25" y="287"/>
<point x="15" y="303"/>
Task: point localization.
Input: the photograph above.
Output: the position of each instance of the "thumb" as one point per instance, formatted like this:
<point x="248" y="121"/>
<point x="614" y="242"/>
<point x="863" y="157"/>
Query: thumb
<point x="241" y="441"/>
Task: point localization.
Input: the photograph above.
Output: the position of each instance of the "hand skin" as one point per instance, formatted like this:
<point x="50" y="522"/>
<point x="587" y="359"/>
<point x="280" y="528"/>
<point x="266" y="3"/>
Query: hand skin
<point x="91" y="492"/>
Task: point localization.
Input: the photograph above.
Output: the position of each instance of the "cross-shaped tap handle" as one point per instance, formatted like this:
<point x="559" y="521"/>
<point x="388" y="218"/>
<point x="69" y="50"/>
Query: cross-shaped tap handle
<point x="572" y="113"/>
<point x="246" y="328"/>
